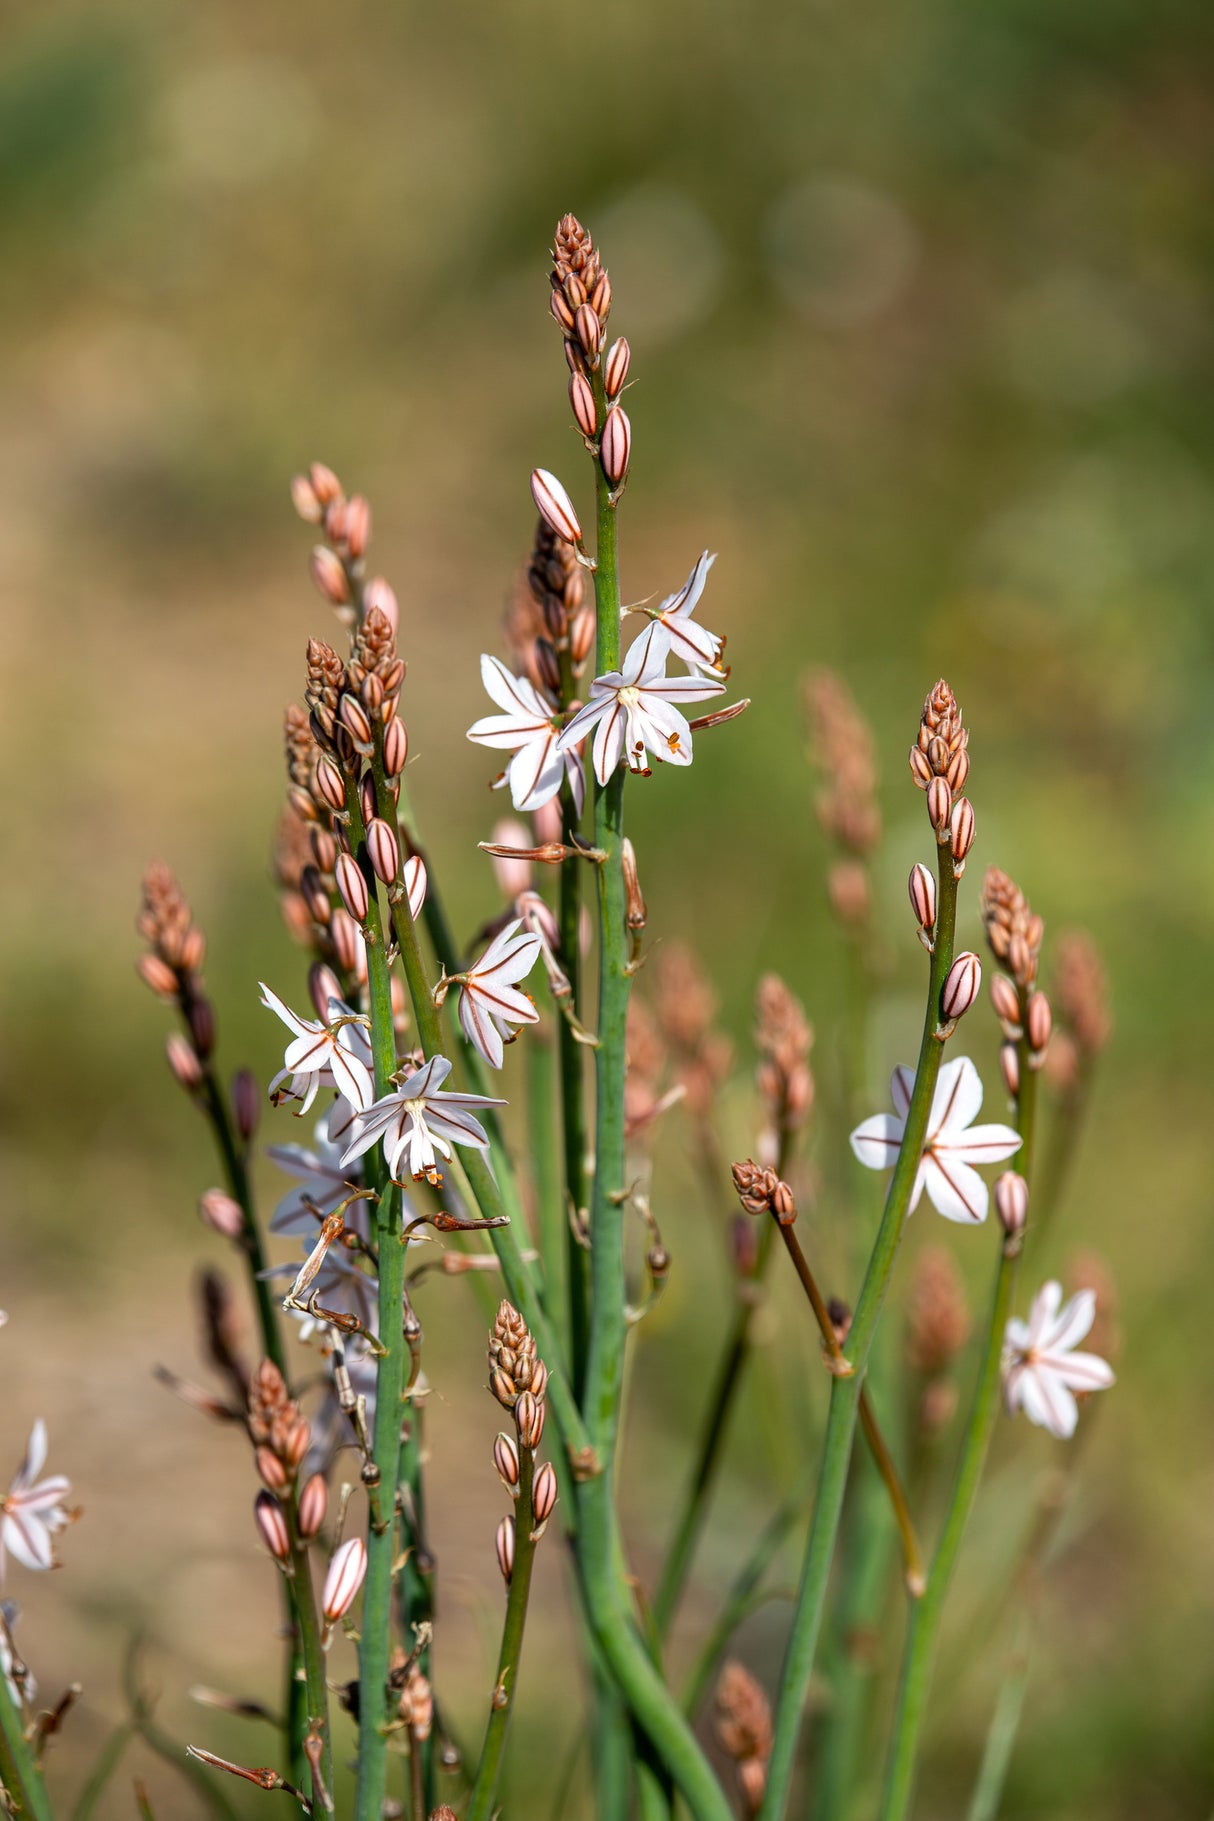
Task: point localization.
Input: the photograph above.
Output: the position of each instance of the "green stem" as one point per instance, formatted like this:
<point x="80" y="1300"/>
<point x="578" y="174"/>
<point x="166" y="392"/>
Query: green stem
<point x="488" y="1774"/>
<point x="316" y="1688"/>
<point x="845" y="1392"/>
<point x="19" y="1774"/>
<point x="1001" y="1738"/>
<point x="549" y="1187"/>
<point x="919" y="1653"/>
<point x="741" y="1598"/>
<point x="573" y="1110"/>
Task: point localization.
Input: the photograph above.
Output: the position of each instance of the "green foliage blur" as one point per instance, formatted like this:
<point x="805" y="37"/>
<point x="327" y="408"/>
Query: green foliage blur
<point x="919" y="303"/>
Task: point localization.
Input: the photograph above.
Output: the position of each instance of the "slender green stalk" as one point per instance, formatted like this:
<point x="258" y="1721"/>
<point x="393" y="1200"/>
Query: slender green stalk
<point x="1005" y="1724"/>
<point x="112" y="1753"/>
<point x="316" y="1688"/>
<point x="501" y="1708"/>
<point x="573" y="1110"/>
<point x="549" y="1186"/>
<point x="918" y="1657"/>
<point x="20" y="1775"/>
<point x="845" y="1392"/>
<point x="742" y="1597"/>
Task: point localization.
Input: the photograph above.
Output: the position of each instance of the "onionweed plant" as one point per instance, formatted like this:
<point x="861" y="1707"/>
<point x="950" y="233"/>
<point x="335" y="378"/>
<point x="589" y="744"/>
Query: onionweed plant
<point x="408" y="1184"/>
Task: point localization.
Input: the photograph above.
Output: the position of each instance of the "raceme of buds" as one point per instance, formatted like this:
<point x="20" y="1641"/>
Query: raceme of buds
<point x="514" y="1366"/>
<point x="615" y="446"/>
<point x="961" y="986"/>
<point x="761" y="1191"/>
<point x="345" y="1577"/>
<point x="784" y="1038"/>
<point x="1012" y="1202"/>
<point x="353" y="887"/>
<point x="940" y="750"/>
<point x="922" y="887"/>
<point x="581" y="397"/>
<point x="961" y="830"/>
<point x="1081" y="992"/>
<point x="383" y="849"/>
<point x="555" y="506"/>
<point x="505" y="1459"/>
<point x="504" y="1544"/>
<point x="615" y="367"/>
<point x="313" y="1499"/>
<point x="543" y="1493"/>
<point x="219" y="1212"/>
<point x="273" y="1526"/>
<point x="1012" y="930"/>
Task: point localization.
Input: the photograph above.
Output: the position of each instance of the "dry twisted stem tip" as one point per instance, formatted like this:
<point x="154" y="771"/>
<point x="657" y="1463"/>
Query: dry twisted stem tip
<point x="416" y="1705"/>
<point x="744" y="1730"/>
<point x="783" y="1038"/>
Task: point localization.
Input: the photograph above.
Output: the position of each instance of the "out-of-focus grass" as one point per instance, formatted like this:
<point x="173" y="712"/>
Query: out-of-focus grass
<point x="919" y="305"/>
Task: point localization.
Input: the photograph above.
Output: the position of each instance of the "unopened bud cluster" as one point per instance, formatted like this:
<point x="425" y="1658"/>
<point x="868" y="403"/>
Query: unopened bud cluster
<point x="1014" y="934"/>
<point x="338" y="564"/>
<point x="939" y="762"/>
<point x="761" y="1191"/>
<point x="841" y="744"/>
<point x="280" y="1433"/>
<point x="172" y="968"/>
<point x="581" y="304"/>
<point x="518" y="1379"/>
<point x="685" y="1007"/>
<point x="744" y="1731"/>
<point x="784" y="1038"/>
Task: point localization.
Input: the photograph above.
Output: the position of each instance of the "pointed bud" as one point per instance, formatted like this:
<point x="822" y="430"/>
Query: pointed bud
<point x="246" y="1103"/>
<point x="529" y="1420"/>
<point x="615" y="367"/>
<point x="1038" y="1022"/>
<point x="323" y="985"/>
<point x="313" y="1499"/>
<point x="158" y="975"/>
<point x="396" y="747"/>
<point x="270" y="1468"/>
<point x="589" y="331"/>
<point x="381" y="594"/>
<point x="304" y="500"/>
<point x="219" y="1212"/>
<point x="504" y="1544"/>
<point x="273" y="1526"/>
<point x="366" y="798"/>
<point x="1006" y="1001"/>
<point x="921" y="771"/>
<point x="961" y="985"/>
<point x="325" y="484"/>
<point x="922" y="887"/>
<point x="505" y="1459"/>
<point x="358" y="526"/>
<point x="347" y="942"/>
<point x="635" y="913"/>
<point x="329" y="576"/>
<point x="543" y="1493"/>
<point x="330" y="784"/>
<point x="183" y="1060"/>
<point x="581" y="634"/>
<point x="939" y="807"/>
<point x="961" y="829"/>
<point x="353" y="887"/>
<point x="555" y="506"/>
<point x="958" y="770"/>
<point x="581" y="397"/>
<point x="1009" y="1068"/>
<point x="615" y="447"/>
<point x="383" y="848"/>
<point x="345" y="1577"/>
<point x="1012" y="1202"/>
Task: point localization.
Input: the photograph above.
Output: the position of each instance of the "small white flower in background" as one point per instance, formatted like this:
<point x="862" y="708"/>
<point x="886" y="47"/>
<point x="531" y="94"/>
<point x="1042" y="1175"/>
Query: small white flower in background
<point x="419" y="1121"/>
<point x="535" y="772"/>
<point x="695" y="645"/>
<point x="33" y="1509"/>
<point x="336" y="1054"/>
<point x="953" y="1144"/>
<point x="1041" y="1370"/>
<point x="489" y="1001"/>
<point x="633" y="709"/>
<point x="324" y="1181"/>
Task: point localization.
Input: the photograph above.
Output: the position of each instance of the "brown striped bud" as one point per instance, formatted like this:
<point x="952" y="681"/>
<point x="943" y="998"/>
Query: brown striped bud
<point x="297" y="1441"/>
<point x="270" y="1468"/>
<point x="329" y="576"/>
<point x="194" y="949"/>
<point x="354" y="715"/>
<point x="396" y="747"/>
<point x="358" y="526"/>
<point x="366" y="798"/>
<point x="589" y="331"/>
<point x="543" y="1493"/>
<point x="615" y="447"/>
<point x="1012" y="1202"/>
<point x="304" y="500"/>
<point x="939" y="807"/>
<point x="504" y="1544"/>
<point x="922" y="888"/>
<point x="505" y="1459"/>
<point x="615" y="367"/>
<point x="316" y="893"/>
<point x="539" y="1378"/>
<point x="555" y="506"/>
<point x="325" y="484"/>
<point x="219" y="1212"/>
<point x="529" y="1419"/>
<point x="183" y="1060"/>
<point x="158" y="975"/>
<point x="313" y="1500"/>
<point x="958" y="770"/>
<point x="345" y="1577"/>
<point x="330" y="784"/>
<point x="353" y="887"/>
<point x="581" y="634"/>
<point x="961" y="829"/>
<point x="547" y="664"/>
<point x="246" y="1103"/>
<point x="1006" y="1001"/>
<point x="1038" y="1022"/>
<point x="560" y="309"/>
<point x="1009" y="1068"/>
<point x="961" y="985"/>
<point x="921" y="771"/>
<point x="581" y="397"/>
<point x="323" y="985"/>
<point x="635" y="913"/>
<point x="502" y="1387"/>
<point x="269" y="1518"/>
<point x="383" y="849"/>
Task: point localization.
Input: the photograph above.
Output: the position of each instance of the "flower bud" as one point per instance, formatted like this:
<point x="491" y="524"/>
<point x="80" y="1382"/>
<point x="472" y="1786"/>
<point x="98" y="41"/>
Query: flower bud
<point x="1006" y="1001"/>
<point x="958" y="770"/>
<point x="635" y="913"/>
<point x="354" y="715"/>
<point x="323" y="985"/>
<point x="313" y="1499"/>
<point x="325" y="484"/>
<point x="615" y="367"/>
<point x="246" y="1103"/>
<point x="504" y="1544"/>
<point x="1012" y="1202"/>
<point x="358" y="526"/>
<point x="324" y="848"/>
<point x="347" y="942"/>
<point x="219" y="1212"/>
<point x="396" y="747"/>
<point x="1038" y="1021"/>
<point x="298" y="1441"/>
<point x="555" y="506"/>
<point x="353" y="887"/>
<point x="939" y="807"/>
<point x="329" y="782"/>
<point x="505" y="1459"/>
<point x="201" y="1020"/>
<point x="615" y="446"/>
<point x="589" y="331"/>
<point x="961" y="829"/>
<point x="922" y="888"/>
<point x="158" y="975"/>
<point x="543" y="1493"/>
<point x="961" y="985"/>
<point x="183" y="1060"/>
<point x="581" y="397"/>
<point x="273" y="1526"/>
<point x="1009" y="1068"/>
<point x="383" y="849"/>
<point x="329" y="576"/>
<point x="529" y="1419"/>
<point x="304" y="500"/>
<point x="273" y="1473"/>
<point x="345" y="1577"/>
<point x="921" y="771"/>
<point x="560" y="309"/>
<point x="366" y="798"/>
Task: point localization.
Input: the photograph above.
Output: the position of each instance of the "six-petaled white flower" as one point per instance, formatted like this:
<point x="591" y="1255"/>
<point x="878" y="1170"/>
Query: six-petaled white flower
<point x="953" y="1144"/>
<point x="535" y="772"/>
<point x="633" y="709"/>
<point x="336" y="1054"/>
<point x="489" y="1000"/>
<point x="33" y="1509"/>
<point x="1041" y="1370"/>
<point x="419" y="1121"/>
<point x="694" y="644"/>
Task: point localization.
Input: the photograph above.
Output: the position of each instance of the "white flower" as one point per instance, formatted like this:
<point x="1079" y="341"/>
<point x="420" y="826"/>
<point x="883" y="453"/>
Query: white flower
<point x="698" y="648"/>
<point x="535" y="772"/>
<point x="419" y="1121"/>
<point x="952" y="1146"/>
<point x="489" y="1001"/>
<point x="336" y="1054"/>
<point x="324" y="1182"/>
<point x="33" y="1510"/>
<point x="23" y="1695"/>
<point x="633" y="709"/>
<point x="1041" y="1370"/>
<point x="414" y="875"/>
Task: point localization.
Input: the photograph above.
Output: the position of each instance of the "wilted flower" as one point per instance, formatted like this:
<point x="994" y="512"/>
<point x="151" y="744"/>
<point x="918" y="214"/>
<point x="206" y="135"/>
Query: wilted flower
<point x="419" y="1120"/>
<point x="1041" y="1370"/>
<point x="952" y="1146"/>
<point x="33" y="1510"/>
<point x="489" y="1001"/>
<point x="535" y="772"/>
<point x="336" y="1054"/>
<point x="632" y="709"/>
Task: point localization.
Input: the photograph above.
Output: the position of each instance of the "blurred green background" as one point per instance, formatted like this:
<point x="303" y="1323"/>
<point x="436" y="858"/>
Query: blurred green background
<point x="919" y="303"/>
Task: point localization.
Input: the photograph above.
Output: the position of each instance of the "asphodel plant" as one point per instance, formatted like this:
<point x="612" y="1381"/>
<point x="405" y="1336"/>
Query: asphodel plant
<point x="479" y="1114"/>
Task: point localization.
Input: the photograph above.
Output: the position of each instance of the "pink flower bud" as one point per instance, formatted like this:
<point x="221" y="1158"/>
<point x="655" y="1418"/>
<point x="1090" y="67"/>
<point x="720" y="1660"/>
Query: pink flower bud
<point x="505" y="1459"/>
<point x="353" y="887"/>
<point x="589" y="330"/>
<point x="347" y="943"/>
<point x="555" y="506"/>
<point x="329" y="576"/>
<point x="961" y="985"/>
<point x="615" y="367"/>
<point x="560" y="309"/>
<point x="961" y="829"/>
<point x="273" y="1473"/>
<point x="325" y="484"/>
<point x="1006" y="1001"/>
<point x="273" y="1526"/>
<point x="330" y="784"/>
<point x="345" y="1577"/>
<point x="383" y="848"/>
<point x="358" y="525"/>
<point x="1012" y="1202"/>
<point x="183" y="1061"/>
<point x="313" y="1500"/>
<point x="922" y="887"/>
<point x="939" y="806"/>
<point x="201" y="1019"/>
<point x="304" y="500"/>
<point x="581" y="397"/>
<point x="1038" y="1022"/>
<point x="246" y="1103"/>
<point x="529" y="1419"/>
<point x="396" y="747"/>
<point x="352" y="712"/>
<point x="1009" y="1068"/>
<point x="366" y="797"/>
<point x="219" y="1212"/>
<point x="615" y="448"/>
<point x="958" y="770"/>
<point x="323" y="985"/>
<point x="379" y="593"/>
<point x="158" y="975"/>
<point x="543" y="1493"/>
<point x="921" y="770"/>
<point x="504" y="1544"/>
